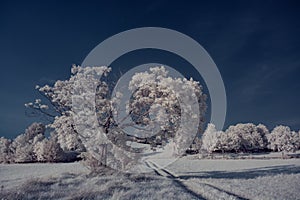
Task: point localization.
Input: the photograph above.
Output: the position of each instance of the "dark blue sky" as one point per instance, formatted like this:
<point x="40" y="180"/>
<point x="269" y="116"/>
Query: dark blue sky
<point x="255" y="44"/>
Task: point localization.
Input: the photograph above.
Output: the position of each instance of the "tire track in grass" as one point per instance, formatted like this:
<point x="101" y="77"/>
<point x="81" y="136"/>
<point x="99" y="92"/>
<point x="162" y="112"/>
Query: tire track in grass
<point x="199" y="190"/>
<point x="167" y="174"/>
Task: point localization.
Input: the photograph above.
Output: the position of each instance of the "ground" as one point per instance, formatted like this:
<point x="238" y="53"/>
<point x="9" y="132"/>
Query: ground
<point x="186" y="178"/>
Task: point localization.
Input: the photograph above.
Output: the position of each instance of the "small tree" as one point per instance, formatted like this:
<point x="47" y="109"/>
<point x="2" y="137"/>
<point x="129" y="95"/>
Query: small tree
<point x="211" y="139"/>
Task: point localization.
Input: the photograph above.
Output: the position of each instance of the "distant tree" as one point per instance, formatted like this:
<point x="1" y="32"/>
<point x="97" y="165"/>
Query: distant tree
<point x="282" y="139"/>
<point x="211" y="138"/>
<point x="246" y="137"/>
<point x="196" y="146"/>
<point x="39" y="151"/>
<point x="296" y="137"/>
<point x="225" y="143"/>
<point x="299" y="138"/>
<point x="23" y="145"/>
<point x="23" y="151"/>
<point x="5" y="150"/>
<point x="263" y="132"/>
<point x="49" y="150"/>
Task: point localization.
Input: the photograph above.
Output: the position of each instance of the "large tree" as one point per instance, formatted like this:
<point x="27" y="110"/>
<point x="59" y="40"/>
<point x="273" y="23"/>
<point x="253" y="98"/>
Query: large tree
<point x="162" y="107"/>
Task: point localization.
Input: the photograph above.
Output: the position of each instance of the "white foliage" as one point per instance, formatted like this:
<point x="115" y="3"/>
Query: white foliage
<point x="299" y="138"/>
<point x="246" y="137"/>
<point x="83" y="110"/>
<point x="283" y="139"/>
<point x="23" y="145"/>
<point x="48" y="150"/>
<point x="34" y="130"/>
<point x="5" y="151"/>
<point x="211" y="138"/>
<point x="62" y="95"/>
<point x="175" y="105"/>
<point x="66" y="134"/>
<point x="241" y="137"/>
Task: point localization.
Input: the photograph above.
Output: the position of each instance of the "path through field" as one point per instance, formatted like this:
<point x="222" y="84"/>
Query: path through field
<point x="200" y="190"/>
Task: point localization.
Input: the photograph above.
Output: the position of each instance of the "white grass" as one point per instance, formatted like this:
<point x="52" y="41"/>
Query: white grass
<point x="250" y="179"/>
<point x="117" y="186"/>
<point x="211" y="179"/>
<point x="281" y="186"/>
<point x="188" y="165"/>
<point x="13" y="175"/>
